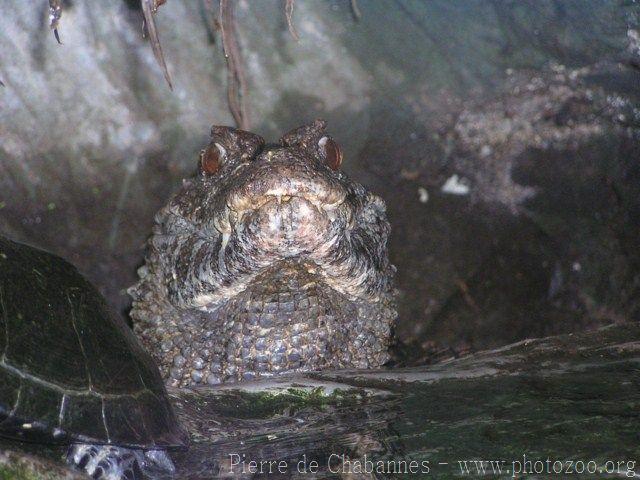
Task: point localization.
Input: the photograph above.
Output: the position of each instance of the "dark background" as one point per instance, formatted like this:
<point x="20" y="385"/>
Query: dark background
<point x="529" y="109"/>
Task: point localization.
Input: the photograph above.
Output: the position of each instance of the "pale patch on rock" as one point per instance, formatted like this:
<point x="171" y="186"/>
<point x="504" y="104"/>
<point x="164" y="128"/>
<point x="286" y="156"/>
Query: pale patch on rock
<point x="456" y="185"/>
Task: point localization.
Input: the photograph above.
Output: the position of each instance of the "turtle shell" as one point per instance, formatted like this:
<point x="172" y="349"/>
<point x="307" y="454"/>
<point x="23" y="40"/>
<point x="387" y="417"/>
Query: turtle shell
<point x="70" y="368"/>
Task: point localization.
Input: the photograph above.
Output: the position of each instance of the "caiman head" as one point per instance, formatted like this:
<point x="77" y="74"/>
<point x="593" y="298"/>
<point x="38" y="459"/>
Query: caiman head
<point x="260" y="237"/>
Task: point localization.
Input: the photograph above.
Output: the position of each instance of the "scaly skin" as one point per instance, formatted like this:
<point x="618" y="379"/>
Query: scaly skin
<point x="275" y="261"/>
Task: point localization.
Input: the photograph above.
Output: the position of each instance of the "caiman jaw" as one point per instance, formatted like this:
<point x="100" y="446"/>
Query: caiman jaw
<point x="275" y="229"/>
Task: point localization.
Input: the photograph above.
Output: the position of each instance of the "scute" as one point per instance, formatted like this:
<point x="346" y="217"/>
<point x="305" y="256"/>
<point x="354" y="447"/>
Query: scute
<point x="83" y="413"/>
<point x="77" y="367"/>
<point x="9" y="391"/>
<point x="38" y="405"/>
<point x="9" y="386"/>
<point x="35" y="337"/>
<point x="124" y="417"/>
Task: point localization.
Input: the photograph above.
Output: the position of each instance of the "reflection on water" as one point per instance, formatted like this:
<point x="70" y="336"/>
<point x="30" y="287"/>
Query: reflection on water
<point x="518" y="403"/>
<point x="293" y="435"/>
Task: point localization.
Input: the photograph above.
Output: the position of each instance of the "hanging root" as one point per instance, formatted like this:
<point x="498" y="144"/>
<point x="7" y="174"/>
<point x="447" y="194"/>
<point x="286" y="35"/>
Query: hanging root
<point x="55" y="12"/>
<point x="355" y="10"/>
<point x="288" y="12"/>
<point x="236" y="80"/>
<point x="236" y="77"/>
<point x="149" y="7"/>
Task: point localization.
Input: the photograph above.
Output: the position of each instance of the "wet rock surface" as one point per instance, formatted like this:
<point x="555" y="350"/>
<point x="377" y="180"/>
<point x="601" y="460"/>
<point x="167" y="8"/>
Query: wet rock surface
<point x="560" y="152"/>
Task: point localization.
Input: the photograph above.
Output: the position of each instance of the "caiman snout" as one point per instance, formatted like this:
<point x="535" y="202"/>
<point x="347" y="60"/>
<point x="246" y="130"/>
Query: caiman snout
<point x="285" y="205"/>
<point x="278" y="177"/>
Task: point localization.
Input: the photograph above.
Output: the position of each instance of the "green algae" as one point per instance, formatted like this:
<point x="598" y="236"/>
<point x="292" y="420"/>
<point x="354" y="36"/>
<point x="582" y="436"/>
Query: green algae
<point x="265" y="404"/>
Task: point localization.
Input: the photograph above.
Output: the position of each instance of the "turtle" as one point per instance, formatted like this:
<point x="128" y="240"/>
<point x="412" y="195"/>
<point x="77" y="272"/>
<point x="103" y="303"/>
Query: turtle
<point x="72" y="372"/>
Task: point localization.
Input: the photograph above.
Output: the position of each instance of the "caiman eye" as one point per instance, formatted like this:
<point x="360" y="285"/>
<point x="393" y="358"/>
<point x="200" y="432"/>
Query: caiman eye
<point x="212" y="158"/>
<point x="332" y="152"/>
